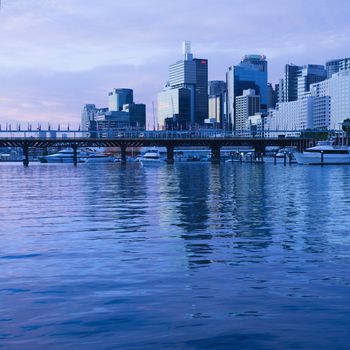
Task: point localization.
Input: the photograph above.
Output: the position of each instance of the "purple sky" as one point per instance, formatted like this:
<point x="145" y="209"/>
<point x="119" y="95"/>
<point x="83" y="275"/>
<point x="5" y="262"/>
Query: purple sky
<point x="57" y="55"/>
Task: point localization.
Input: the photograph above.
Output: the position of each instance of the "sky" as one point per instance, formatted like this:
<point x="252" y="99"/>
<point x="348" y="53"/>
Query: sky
<point x="57" y="55"/>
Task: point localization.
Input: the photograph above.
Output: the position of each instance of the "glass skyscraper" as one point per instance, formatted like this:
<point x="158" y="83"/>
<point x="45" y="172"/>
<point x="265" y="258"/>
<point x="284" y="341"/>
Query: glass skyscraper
<point x="119" y="97"/>
<point x="338" y="65"/>
<point x="190" y="74"/>
<point x="251" y="73"/>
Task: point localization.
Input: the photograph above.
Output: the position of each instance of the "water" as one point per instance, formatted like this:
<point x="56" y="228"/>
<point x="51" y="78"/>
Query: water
<point x="191" y="256"/>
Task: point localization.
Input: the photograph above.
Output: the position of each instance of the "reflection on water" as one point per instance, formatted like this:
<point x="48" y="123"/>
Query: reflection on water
<point x="191" y="256"/>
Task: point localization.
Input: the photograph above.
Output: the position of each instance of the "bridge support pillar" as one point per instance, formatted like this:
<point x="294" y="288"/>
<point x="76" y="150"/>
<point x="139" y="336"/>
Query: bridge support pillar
<point x="25" y="155"/>
<point x="75" y="155"/>
<point x="123" y="154"/>
<point x="259" y="152"/>
<point x="170" y="154"/>
<point x="215" y="154"/>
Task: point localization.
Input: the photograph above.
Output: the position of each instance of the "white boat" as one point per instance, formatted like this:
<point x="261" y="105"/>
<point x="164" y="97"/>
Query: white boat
<point x="67" y="156"/>
<point x="151" y="156"/>
<point x="64" y="156"/>
<point x="92" y="156"/>
<point x="324" y="153"/>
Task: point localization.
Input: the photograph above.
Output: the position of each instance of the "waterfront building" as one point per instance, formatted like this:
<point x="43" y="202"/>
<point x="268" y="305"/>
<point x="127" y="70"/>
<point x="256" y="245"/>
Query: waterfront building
<point x="338" y="65"/>
<point x="251" y="73"/>
<point x="88" y="115"/>
<point x="174" y="108"/>
<point x="192" y="74"/>
<point x="297" y="80"/>
<point x="255" y="125"/>
<point x="217" y="102"/>
<point x="119" y="97"/>
<point x="122" y="113"/>
<point x="246" y="105"/>
<point x="290" y="116"/>
<point x="271" y="95"/>
<point x="337" y="88"/>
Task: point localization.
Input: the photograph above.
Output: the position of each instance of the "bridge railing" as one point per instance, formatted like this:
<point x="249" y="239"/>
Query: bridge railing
<point x="155" y="134"/>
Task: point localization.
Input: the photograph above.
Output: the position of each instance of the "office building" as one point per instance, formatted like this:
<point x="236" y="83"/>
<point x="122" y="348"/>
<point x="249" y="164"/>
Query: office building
<point x="337" y="88"/>
<point x="272" y="95"/>
<point x="119" y="97"/>
<point x="217" y="102"/>
<point x="174" y="108"/>
<point x="246" y="105"/>
<point x="123" y="113"/>
<point x="291" y="116"/>
<point x="88" y="115"/>
<point x="297" y="81"/>
<point x="338" y="65"/>
<point x="191" y="74"/>
<point x="251" y="73"/>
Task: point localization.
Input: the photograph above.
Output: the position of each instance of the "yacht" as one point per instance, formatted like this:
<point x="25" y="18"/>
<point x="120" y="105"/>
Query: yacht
<point x="67" y="156"/>
<point x="151" y="156"/>
<point x="92" y="156"/>
<point x="64" y="156"/>
<point x="324" y="153"/>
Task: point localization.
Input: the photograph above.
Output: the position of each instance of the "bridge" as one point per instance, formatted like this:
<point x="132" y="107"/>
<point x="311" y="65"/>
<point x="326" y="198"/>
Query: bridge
<point x="168" y="139"/>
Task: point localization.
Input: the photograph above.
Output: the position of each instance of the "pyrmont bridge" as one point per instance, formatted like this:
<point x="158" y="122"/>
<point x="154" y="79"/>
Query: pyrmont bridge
<point x="212" y="139"/>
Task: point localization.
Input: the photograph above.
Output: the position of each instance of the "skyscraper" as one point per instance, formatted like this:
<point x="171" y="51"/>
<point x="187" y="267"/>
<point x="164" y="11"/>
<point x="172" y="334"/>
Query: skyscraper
<point x="251" y="73"/>
<point x="191" y="74"/>
<point x="338" y="65"/>
<point x="119" y="97"/>
<point x="246" y="105"/>
<point x="297" y="80"/>
<point x="174" y="108"/>
<point x="337" y="88"/>
<point x="217" y="101"/>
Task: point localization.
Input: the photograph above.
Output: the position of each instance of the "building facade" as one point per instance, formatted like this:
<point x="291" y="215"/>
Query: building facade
<point x="119" y="97"/>
<point x="217" y="102"/>
<point x="246" y="105"/>
<point x="251" y="73"/>
<point x="192" y="74"/>
<point x="338" y="65"/>
<point x="337" y="88"/>
<point x="297" y="80"/>
<point x="174" y="108"/>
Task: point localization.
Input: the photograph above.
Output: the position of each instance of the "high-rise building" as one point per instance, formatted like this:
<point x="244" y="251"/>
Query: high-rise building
<point x="297" y="80"/>
<point x="246" y="105"/>
<point x="271" y="96"/>
<point x="251" y="73"/>
<point x="291" y="116"/>
<point x="337" y="88"/>
<point x="119" y="97"/>
<point x="192" y="74"/>
<point x="174" y="108"/>
<point x="217" y="102"/>
<point x="338" y="65"/>
<point x="306" y="113"/>
<point x="122" y="113"/>
<point x="88" y="114"/>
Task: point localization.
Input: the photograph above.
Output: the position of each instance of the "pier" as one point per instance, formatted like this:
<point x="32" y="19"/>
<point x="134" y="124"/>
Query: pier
<point x="170" y="140"/>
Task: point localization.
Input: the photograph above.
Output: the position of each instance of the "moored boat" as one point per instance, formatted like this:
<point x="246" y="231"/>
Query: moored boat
<point x="324" y="153"/>
<point x="151" y="157"/>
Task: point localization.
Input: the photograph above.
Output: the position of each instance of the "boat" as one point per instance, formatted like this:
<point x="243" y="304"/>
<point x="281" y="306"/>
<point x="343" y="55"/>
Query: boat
<point x="151" y="156"/>
<point x="86" y="156"/>
<point x="92" y="156"/>
<point x="324" y="153"/>
<point x="63" y="156"/>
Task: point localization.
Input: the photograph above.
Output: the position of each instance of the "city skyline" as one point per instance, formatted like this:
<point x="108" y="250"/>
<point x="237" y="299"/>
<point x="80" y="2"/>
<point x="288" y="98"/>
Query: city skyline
<point x="58" y="56"/>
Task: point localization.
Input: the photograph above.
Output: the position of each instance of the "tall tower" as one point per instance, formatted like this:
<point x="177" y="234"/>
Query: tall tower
<point x="192" y="74"/>
<point x="251" y="73"/>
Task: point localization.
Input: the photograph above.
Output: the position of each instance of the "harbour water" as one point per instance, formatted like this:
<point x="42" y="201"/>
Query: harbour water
<point x="190" y="256"/>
